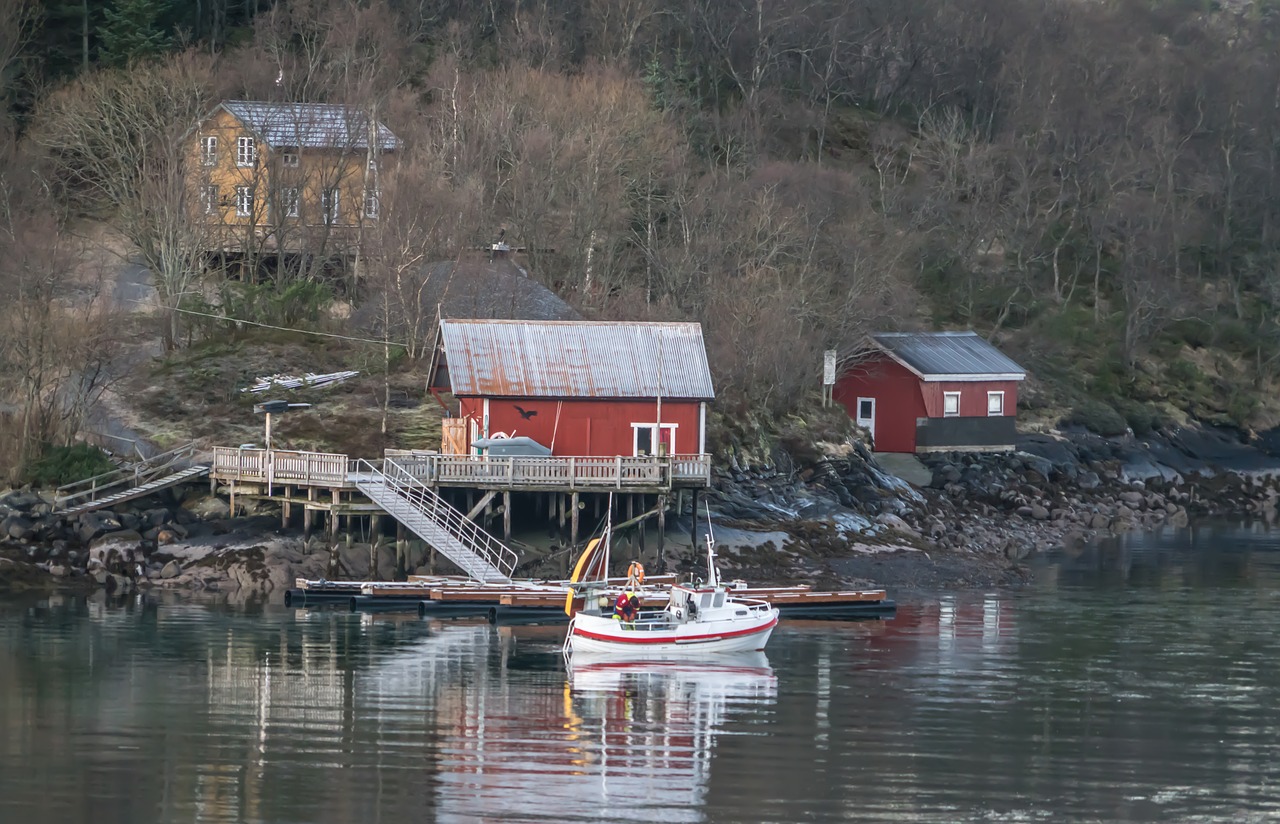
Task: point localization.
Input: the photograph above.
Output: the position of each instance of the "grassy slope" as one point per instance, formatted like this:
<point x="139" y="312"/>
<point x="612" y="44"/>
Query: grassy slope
<point x="197" y="393"/>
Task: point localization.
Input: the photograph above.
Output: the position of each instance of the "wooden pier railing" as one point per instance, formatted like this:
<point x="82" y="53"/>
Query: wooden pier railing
<point x="531" y="473"/>
<point x="574" y="472"/>
<point x="275" y="466"/>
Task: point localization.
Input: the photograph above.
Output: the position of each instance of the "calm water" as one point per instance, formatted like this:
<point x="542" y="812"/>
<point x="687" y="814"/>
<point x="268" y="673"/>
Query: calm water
<point x="1137" y="681"/>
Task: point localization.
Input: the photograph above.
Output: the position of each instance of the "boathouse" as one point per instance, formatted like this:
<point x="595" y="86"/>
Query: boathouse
<point x="932" y="392"/>
<point x="581" y="388"/>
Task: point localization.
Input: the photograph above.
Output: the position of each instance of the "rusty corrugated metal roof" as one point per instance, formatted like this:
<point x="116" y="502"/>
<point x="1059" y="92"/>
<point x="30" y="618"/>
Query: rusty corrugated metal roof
<point x="576" y="359"/>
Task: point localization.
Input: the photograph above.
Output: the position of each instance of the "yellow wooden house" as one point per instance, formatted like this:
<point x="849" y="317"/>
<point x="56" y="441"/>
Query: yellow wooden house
<point x="271" y="178"/>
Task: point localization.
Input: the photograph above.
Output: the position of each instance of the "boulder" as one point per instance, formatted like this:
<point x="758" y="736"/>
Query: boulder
<point x="17" y="527"/>
<point x="93" y="524"/>
<point x="125" y="537"/>
<point x="207" y="508"/>
<point x="171" y="570"/>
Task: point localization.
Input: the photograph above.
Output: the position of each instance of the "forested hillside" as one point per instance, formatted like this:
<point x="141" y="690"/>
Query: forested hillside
<point x="1094" y="185"/>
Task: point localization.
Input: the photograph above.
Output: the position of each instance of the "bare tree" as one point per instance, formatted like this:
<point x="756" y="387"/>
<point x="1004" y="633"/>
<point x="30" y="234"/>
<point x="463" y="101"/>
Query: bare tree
<point x="115" y="144"/>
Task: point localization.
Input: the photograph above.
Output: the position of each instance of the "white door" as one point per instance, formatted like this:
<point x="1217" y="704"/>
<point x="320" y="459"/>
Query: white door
<point x="867" y="415"/>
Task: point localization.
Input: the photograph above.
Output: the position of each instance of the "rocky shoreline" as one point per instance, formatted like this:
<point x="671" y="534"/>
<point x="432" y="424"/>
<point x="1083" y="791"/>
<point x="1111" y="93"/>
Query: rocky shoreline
<point x="841" y="520"/>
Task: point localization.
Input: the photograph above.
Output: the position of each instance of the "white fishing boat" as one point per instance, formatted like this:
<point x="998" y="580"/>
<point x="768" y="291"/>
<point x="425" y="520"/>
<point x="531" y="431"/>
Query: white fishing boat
<point x="698" y="618"/>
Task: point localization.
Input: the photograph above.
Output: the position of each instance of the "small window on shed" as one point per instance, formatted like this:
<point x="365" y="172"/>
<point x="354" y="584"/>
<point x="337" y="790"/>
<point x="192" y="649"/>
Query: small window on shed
<point x="950" y="404"/>
<point x="995" y="403"/>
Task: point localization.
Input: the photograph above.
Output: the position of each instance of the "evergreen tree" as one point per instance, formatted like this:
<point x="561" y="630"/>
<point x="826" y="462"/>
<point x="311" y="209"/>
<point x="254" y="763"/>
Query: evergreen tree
<point x="134" y="30"/>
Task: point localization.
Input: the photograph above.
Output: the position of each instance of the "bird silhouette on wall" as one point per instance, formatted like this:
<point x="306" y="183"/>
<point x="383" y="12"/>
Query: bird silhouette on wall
<point x="525" y="413"/>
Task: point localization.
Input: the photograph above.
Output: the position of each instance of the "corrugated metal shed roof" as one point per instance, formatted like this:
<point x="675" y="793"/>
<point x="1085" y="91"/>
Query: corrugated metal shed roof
<point x="309" y="125"/>
<point x="939" y="354"/>
<point x="576" y="359"/>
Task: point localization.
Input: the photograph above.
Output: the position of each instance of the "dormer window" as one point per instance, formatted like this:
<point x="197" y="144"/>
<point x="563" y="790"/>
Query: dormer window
<point x="246" y="151"/>
<point x="208" y="150"/>
<point x="289" y="160"/>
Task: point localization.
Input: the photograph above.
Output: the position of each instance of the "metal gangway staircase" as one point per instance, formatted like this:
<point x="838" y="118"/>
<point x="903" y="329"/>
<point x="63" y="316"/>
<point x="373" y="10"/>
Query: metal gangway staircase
<point x="130" y="481"/>
<point x="414" y="504"/>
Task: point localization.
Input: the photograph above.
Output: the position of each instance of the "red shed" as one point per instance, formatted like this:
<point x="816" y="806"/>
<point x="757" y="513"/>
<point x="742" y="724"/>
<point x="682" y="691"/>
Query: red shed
<point x="932" y="392"/>
<point x="579" y="387"/>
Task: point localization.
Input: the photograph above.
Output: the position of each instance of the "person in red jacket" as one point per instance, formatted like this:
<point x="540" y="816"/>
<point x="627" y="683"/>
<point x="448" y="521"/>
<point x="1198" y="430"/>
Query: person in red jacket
<point x="625" y="608"/>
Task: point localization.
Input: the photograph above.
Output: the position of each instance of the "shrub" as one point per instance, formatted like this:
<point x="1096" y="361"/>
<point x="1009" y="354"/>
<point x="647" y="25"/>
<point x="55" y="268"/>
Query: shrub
<point x="1098" y="417"/>
<point x="59" y="465"/>
<point x="1142" y="418"/>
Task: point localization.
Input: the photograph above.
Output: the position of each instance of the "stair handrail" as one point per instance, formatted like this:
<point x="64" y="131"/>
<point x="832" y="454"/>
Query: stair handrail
<point x="492" y="554"/>
<point x="139" y="472"/>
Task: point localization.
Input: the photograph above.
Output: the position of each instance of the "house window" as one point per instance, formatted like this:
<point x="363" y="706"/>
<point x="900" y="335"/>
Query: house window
<point x="208" y="150"/>
<point x="244" y="201"/>
<point x="950" y="404"/>
<point x="289" y="202"/>
<point x="289" y="160"/>
<point x="371" y="203"/>
<point x="209" y="197"/>
<point x="645" y="439"/>
<point x="995" y="403"/>
<point x="329" y="205"/>
<point x="246" y="151"/>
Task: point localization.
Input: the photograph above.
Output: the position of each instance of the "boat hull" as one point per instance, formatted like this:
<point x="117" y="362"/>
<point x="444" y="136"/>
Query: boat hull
<point x="604" y="636"/>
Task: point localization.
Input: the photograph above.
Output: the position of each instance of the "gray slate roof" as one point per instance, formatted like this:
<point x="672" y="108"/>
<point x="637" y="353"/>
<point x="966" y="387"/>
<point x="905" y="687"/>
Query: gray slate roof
<point x="309" y="125"/>
<point x="576" y="359"/>
<point x="947" y="354"/>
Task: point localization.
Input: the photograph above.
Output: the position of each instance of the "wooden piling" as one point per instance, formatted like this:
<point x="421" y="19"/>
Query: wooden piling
<point x="506" y="515"/>
<point x="662" y="529"/>
<point x="560" y="535"/>
<point x="631" y="514"/>
<point x="402" y="549"/>
<point x="640" y="529"/>
<point x="573" y="528"/>
<point x="286" y="511"/>
<point x="693" y="520"/>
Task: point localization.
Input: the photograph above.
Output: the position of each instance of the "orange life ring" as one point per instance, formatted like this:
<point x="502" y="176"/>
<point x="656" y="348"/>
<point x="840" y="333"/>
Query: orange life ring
<point x="635" y="572"/>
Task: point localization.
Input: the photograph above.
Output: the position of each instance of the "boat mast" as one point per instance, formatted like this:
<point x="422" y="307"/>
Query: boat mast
<point x="713" y="575"/>
<point x="607" y="538"/>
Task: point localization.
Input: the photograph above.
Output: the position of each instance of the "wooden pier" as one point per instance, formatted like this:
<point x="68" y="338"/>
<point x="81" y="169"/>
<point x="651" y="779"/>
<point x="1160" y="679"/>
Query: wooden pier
<point x="543" y="601"/>
<point x="482" y="487"/>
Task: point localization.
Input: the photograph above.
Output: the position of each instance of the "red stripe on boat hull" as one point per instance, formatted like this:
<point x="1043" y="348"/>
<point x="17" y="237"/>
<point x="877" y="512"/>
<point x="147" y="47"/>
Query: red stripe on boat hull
<point x="691" y="640"/>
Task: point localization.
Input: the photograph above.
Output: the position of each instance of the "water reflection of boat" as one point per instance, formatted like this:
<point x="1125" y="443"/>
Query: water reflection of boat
<point x="746" y="674"/>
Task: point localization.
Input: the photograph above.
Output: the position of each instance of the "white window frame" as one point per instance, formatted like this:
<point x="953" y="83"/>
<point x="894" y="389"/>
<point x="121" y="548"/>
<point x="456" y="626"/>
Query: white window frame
<point x="209" y="197"/>
<point x="330" y="206"/>
<point x="208" y="150"/>
<point x="372" y="203"/>
<point x="244" y="201"/>
<point x="246" y="151"/>
<point x="289" y="199"/>
<point x="652" y="426"/>
<point x="946" y="396"/>
<point x="289" y="160"/>
<point x="997" y="413"/>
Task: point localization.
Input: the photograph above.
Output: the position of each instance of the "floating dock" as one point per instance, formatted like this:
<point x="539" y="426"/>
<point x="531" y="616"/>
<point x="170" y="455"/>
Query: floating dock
<point x="543" y="601"/>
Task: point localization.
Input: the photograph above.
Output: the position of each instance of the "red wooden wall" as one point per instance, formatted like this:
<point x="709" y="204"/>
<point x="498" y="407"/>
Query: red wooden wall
<point x="586" y="426"/>
<point x="901" y="397"/>
<point x="973" y="396"/>
<point x="898" y="400"/>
